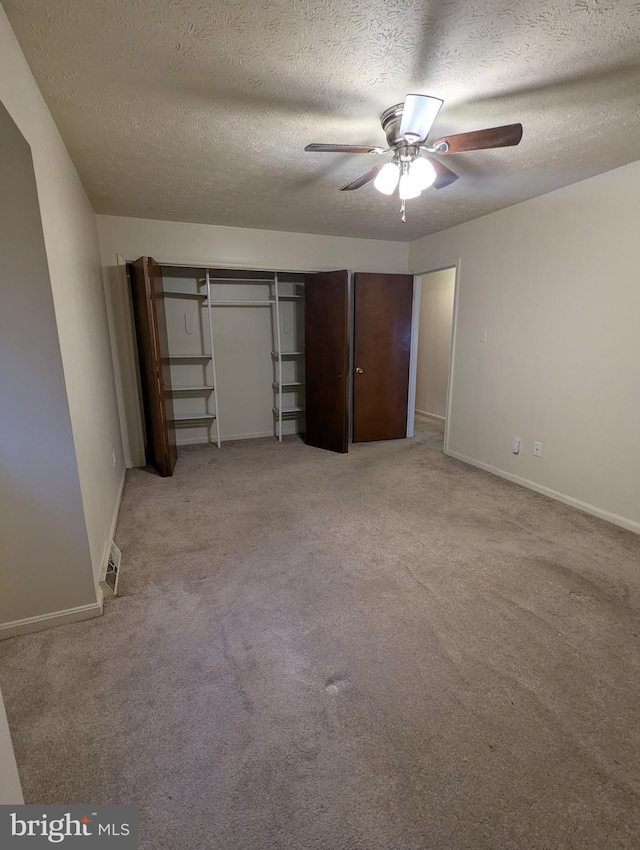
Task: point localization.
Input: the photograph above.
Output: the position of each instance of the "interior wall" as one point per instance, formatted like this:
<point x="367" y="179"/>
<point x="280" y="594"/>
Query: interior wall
<point x="243" y="345"/>
<point x="71" y="241"/>
<point x="210" y="245"/>
<point x="10" y="788"/>
<point x="434" y="341"/>
<point x="44" y="549"/>
<point x="554" y="282"/>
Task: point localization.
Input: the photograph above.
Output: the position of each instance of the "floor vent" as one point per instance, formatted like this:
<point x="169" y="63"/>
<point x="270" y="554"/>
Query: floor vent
<point x="110" y="581"/>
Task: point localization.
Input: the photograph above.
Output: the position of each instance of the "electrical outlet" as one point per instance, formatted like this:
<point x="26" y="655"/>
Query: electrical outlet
<point x="515" y="446"/>
<point x="113" y="457"/>
<point x="537" y="449"/>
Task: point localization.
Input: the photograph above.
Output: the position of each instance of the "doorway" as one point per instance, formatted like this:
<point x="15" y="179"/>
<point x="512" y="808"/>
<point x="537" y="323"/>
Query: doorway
<point x="435" y="331"/>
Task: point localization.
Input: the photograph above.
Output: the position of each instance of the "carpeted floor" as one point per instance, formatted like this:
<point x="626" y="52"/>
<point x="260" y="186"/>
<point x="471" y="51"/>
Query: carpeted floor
<point x="387" y="650"/>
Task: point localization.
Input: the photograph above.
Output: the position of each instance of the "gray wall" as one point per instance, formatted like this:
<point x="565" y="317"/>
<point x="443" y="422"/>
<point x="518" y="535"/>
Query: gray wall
<point x="45" y="562"/>
<point x="10" y="789"/>
<point x="554" y="282"/>
<point x="73" y="256"/>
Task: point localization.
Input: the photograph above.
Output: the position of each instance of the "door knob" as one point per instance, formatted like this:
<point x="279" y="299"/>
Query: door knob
<point x="359" y="370"/>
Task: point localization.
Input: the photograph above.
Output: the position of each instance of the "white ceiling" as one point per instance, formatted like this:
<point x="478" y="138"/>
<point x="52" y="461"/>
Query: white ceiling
<point x="199" y="110"/>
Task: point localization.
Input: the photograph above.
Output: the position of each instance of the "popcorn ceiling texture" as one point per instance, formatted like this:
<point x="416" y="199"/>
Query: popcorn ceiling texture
<point x="199" y="110"/>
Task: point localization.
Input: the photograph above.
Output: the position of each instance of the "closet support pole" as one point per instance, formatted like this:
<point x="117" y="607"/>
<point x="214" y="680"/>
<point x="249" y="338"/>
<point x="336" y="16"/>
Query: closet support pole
<point x="279" y="350"/>
<point x="214" y="382"/>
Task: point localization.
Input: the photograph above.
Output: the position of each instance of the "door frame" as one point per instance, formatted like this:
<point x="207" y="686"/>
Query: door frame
<point x="415" y="329"/>
<point x="352" y="336"/>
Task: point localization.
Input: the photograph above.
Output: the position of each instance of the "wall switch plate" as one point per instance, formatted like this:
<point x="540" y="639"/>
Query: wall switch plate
<point x="515" y="446"/>
<point x="483" y="336"/>
<point x="537" y="449"/>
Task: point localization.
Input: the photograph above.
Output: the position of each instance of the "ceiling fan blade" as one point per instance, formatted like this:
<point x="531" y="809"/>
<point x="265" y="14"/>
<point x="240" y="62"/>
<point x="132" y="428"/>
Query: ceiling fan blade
<point x="444" y="176"/>
<point x="478" y="140"/>
<point x="418" y="114"/>
<point x="364" y="178"/>
<point x="319" y="148"/>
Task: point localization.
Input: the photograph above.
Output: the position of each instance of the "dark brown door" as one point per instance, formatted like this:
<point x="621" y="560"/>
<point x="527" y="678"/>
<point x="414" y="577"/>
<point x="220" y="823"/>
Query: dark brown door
<point x="382" y="343"/>
<point x="326" y="344"/>
<point x="147" y="296"/>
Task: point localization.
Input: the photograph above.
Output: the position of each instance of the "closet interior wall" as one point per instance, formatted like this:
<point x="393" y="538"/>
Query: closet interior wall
<point x="248" y="333"/>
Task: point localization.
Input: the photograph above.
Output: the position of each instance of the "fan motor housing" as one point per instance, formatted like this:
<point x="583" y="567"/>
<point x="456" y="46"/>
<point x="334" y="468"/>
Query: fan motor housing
<point x="391" y="119"/>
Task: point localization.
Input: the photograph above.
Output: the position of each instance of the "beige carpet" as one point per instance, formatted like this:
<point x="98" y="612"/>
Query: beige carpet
<point x="387" y="650"/>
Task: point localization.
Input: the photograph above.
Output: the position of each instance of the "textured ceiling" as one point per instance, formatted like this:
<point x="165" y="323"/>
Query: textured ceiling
<point x="199" y="110"/>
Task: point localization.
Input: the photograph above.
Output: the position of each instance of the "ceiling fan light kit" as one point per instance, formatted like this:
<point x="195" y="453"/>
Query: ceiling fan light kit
<point x="387" y="178"/>
<point x="422" y="172"/>
<point x="407" y="188"/>
<point x="407" y="126"/>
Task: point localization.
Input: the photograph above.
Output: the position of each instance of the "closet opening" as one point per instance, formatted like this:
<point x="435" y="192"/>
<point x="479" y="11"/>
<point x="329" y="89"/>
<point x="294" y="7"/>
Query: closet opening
<point x="220" y="355"/>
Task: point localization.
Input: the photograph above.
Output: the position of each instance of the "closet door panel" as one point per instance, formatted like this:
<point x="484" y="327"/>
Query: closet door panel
<point x="153" y="354"/>
<point x="383" y="305"/>
<point x="155" y="274"/>
<point x="326" y="334"/>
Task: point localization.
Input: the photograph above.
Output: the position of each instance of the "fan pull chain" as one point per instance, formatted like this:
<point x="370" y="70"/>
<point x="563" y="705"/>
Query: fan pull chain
<point x="402" y="208"/>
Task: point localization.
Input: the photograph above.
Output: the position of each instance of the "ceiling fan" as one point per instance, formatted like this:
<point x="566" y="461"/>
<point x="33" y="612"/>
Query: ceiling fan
<point x="407" y="126"/>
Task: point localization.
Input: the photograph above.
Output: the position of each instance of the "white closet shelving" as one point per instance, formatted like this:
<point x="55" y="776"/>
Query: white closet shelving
<point x="283" y="294"/>
<point x="229" y="366"/>
<point x="288" y="384"/>
<point x="193" y="374"/>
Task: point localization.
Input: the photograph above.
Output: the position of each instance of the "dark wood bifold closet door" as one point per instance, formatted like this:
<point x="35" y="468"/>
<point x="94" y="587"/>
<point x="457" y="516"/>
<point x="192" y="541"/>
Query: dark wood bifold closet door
<point x="382" y="343"/>
<point x="326" y="344"/>
<point x="153" y="354"/>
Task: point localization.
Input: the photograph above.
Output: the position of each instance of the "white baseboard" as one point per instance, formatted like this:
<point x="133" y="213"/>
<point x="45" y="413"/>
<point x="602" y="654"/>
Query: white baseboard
<point x="70" y="615"/>
<point x="191" y="441"/>
<point x="430" y="415"/>
<point x="225" y="438"/>
<point x="112" y="529"/>
<point x="55" y="618"/>
<point x="623" y="522"/>
<point x="252" y="435"/>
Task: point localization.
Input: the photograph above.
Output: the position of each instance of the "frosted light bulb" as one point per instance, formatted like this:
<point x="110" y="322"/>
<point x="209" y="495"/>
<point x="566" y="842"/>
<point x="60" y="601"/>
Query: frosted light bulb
<point x="422" y="172"/>
<point x="387" y="178"/>
<point x="408" y="187"/>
